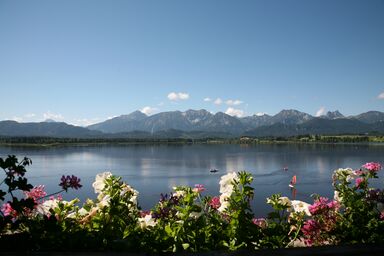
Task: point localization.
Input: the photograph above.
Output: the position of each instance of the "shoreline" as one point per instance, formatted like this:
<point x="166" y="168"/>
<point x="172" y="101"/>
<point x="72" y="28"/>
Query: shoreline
<point x="55" y="142"/>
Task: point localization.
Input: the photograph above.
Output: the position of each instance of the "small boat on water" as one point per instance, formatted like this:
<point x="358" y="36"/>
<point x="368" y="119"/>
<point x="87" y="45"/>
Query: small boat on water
<point x="293" y="182"/>
<point x="285" y="168"/>
<point x="213" y="170"/>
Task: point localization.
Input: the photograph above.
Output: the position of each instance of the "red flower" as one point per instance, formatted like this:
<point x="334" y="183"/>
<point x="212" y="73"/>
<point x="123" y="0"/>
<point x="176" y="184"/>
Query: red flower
<point x="215" y="202"/>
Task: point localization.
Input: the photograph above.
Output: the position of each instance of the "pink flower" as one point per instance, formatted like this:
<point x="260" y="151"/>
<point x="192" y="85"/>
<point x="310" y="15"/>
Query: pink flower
<point x="199" y="188"/>
<point x="311" y="230"/>
<point x="318" y="206"/>
<point x="382" y="216"/>
<point x="372" y="167"/>
<point x="359" y="172"/>
<point x="333" y="205"/>
<point x="261" y="222"/>
<point x="36" y="193"/>
<point x="323" y="205"/>
<point x="8" y="210"/>
<point x="358" y="182"/>
<point x="215" y="202"/>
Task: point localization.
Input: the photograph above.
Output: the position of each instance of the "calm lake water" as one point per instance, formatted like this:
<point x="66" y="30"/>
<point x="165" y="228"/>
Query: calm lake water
<point x="155" y="169"/>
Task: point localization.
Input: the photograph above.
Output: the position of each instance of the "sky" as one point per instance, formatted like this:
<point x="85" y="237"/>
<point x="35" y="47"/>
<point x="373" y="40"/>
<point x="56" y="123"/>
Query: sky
<point x="82" y="62"/>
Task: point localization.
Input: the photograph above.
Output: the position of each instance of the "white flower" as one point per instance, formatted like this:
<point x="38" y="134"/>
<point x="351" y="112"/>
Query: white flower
<point x="337" y="197"/>
<point x="179" y="193"/>
<point x="224" y="197"/>
<point x="223" y="207"/>
<point x="99" y="183"/>
<point x="82" y="212"/>
<point x="134" y="199"/>
<point x="72" y="215"/>
<point x="147" y="221"/>
<point x="347" y="173"/>
<point x="226" y="182"/>
<point x="46" y="206"/>
<point x="283" y="200"/>
<point x="104" y="201"/>
<point x="195" y="215"/>
<point x="128" y="189"/>
<point x="300" y="206"/>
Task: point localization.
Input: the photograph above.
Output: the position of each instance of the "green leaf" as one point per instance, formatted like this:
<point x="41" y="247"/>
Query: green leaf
<point x="168" y="230"/>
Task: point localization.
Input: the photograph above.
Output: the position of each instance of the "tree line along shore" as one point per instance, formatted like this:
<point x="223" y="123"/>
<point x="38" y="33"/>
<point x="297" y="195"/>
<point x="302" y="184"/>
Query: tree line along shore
<point x="52" y="141"/>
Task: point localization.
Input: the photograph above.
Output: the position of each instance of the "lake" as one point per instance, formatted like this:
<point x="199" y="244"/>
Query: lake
<point x="155" y="169"/>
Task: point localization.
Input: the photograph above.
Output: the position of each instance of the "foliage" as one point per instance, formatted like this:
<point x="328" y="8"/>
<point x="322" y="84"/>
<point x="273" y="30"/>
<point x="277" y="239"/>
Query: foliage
<point x="184" y="219"/>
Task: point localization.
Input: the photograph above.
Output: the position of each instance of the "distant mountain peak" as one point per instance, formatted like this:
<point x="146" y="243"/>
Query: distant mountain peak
<point x="49" y="120"/>
<point x="370" y="117"/>
<point x="261" y="114"/>
<point x="333" y="115"/>
<point x="291" y="116"/>
<point x="135" y="115"/>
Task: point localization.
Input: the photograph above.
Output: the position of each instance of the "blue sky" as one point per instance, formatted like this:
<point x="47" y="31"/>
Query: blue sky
<point x="85" y="61"/>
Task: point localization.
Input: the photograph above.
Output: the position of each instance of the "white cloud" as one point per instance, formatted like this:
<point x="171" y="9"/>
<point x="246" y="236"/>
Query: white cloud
<point x="233" y="102"/>
<point x="50" y="115"/>
<point x="260" y="113"/>
<point x="218" y="101"/>
<point x="148" y="110"/>
<point x="207" y="99"/>
<point x="381" y="96"/>
<point x="321" y="111"/>
<point x="178" y="96"/>
<point x="234" y="112"/>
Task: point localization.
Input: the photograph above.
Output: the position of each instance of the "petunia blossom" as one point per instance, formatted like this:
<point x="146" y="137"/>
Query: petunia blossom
<point x="147" y="221"/>
<point x="226" y="181"/>
<point x="99" y="183"/>
<point x="300" y="206"/>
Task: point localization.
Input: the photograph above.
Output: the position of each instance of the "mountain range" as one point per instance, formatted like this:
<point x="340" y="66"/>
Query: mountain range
<point x="202" y="124"/>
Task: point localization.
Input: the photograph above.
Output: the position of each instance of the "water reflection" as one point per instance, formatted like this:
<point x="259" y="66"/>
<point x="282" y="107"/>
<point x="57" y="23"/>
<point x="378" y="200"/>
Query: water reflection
<point x="155" y="169"/>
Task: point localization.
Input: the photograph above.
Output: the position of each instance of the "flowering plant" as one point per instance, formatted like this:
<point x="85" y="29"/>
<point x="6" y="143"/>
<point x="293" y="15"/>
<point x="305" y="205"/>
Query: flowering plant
<point x="187" y="218"/>
<point x="361" y="206"/>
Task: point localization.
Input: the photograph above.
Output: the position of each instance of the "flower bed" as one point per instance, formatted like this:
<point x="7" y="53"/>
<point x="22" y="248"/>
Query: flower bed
<point x="184" y="220"/>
